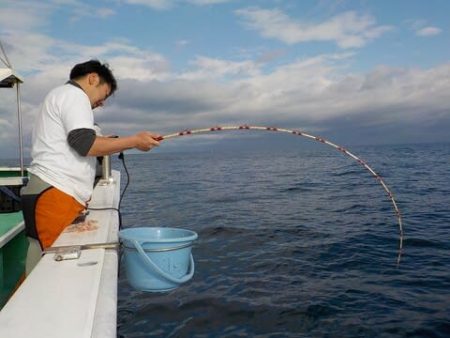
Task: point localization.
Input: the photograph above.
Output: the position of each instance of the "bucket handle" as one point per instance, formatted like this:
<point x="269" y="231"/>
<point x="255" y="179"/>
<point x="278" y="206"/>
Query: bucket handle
<point x="156" y="268"/>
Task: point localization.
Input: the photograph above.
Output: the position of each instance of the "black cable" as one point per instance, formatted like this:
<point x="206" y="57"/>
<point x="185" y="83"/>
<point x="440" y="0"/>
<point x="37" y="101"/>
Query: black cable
<point x="122" y="158"/>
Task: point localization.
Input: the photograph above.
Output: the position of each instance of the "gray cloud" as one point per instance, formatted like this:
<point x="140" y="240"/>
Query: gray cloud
<point x="174" y="96"/>
<point x="311" y="94"/>
<point x="316" y="94"/>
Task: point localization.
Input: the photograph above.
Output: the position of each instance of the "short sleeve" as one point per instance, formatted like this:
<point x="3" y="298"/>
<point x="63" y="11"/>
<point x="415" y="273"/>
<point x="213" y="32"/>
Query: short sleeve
<point x="76" y="111"/>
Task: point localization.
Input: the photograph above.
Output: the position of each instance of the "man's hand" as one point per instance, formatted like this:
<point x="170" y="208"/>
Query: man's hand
<point x="146" y="140"/>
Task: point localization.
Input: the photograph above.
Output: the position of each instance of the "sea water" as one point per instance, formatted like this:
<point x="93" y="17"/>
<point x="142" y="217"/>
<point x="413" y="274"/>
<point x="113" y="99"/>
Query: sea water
<point x="297" y="242"/>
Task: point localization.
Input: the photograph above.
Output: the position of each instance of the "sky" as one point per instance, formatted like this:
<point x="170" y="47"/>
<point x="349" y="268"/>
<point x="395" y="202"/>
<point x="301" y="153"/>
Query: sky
<point x="353" y="72"/>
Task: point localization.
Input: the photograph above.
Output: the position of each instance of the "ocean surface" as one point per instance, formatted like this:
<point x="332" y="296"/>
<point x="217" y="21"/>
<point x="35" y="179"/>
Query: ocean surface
<point x="295" y="242"/>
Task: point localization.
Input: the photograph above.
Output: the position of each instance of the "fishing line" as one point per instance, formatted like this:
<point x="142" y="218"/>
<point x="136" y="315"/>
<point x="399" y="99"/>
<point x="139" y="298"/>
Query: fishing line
<point x="364" y="164"/>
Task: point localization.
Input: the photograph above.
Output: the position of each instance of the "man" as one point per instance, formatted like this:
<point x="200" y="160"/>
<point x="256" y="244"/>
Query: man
<point x="64" y="151"/>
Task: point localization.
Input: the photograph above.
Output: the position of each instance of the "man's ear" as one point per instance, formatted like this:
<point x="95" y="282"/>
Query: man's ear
<point x="93" y="79"/>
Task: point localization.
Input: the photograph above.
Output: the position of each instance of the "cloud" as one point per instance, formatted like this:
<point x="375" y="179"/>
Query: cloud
<point x="304" y="94"/>
<point x="347" y="30"/>
<point x="127" y="61"/>
<point x="182" y="43"/>
<point x="82" y="11"/>
<point x="33" y="15"/>
<point x="105" y="12"/>
<point x="167" y="4"/>
<point x="155" y="4"/>
<point x="21" y="16"/>
<point x="315" y="93"/>
<point x="421" y="28"/>
<point x="311" y="94"/>
<point x="428" y="31"/>
<point x="205" y="67"/>
<point x="207" y="2"/>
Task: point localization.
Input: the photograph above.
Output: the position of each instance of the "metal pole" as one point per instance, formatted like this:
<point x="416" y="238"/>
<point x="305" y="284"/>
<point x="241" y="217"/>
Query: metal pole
<point x="19" y="120"/>
<point x="106" y="168"/>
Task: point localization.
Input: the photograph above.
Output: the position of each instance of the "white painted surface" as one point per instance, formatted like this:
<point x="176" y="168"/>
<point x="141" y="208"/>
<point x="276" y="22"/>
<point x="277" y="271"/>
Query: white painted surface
<point x="11" y="234"/>
<point x="57" y="300"/>
<point x="72" y="298"/>
<point x="105" y="318"/>
<point x="6" y="73"/>
<point x="11" y="180"/>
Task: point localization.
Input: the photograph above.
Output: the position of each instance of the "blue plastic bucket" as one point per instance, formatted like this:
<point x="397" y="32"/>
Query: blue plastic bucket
<point x="157" y="259"/>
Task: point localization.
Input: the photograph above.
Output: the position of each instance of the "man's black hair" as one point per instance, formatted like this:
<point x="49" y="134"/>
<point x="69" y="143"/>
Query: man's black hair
<point x="95" y="66"/>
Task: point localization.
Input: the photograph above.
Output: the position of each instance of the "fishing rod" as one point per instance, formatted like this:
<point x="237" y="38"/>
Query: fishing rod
<point x="364" y="164"/>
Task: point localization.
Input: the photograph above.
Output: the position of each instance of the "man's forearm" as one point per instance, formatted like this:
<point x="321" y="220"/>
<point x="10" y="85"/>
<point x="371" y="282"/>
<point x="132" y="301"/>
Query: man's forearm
<point x="106" y="145"/>
<point x="143" y="141"/>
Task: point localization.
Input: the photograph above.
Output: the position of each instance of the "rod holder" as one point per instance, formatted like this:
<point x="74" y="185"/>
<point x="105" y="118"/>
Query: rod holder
<point x="106" y="171"/>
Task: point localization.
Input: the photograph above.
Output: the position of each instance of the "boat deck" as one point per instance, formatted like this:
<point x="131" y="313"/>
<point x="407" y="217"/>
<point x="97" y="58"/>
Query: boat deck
<point x="77" y="297"/>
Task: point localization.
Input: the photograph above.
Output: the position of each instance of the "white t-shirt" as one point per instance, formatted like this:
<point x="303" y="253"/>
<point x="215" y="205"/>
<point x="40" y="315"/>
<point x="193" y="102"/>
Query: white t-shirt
<point x="64" y="109"/>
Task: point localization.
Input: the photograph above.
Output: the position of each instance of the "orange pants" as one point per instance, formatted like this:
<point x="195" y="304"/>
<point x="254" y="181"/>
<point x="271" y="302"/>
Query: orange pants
<point x="55" y="210"/>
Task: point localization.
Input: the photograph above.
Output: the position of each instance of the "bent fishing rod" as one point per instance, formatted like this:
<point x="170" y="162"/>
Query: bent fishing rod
<point x="364" y="164"/>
